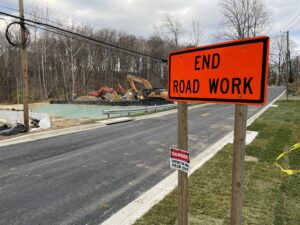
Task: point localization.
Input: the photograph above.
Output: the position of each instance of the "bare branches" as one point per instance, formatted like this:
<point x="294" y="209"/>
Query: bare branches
<point x="196" y="32"/>
<point x="61" y="67"/>
<point x="278" y="58"/>
<point x="243" y="19"/>
<point x="171" y="30"/>
<point x="176" y="35"/>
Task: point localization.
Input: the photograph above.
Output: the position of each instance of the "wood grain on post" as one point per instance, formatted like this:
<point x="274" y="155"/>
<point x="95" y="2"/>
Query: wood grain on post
<point x="24" y="63"/>
<point x="182" y="176"/>
<point x="240" y="124"/>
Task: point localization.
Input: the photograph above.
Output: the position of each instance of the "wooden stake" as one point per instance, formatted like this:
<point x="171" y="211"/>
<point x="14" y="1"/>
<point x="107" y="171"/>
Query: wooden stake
<point x="182" y="176"/>
<point x="287" y="65"/>
<point x="240" y="124"/>
<point x="24" y="63"/>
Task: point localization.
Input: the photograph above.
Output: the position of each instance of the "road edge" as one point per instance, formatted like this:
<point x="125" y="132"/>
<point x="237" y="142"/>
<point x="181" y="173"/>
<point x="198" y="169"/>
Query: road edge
<point x="58" y="132"/>
<point x="141" y="205"/>
<point x="53" y="133"/>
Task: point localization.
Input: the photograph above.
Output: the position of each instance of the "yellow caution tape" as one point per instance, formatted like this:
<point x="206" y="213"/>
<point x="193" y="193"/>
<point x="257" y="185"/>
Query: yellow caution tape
<point x="292" y="148"/>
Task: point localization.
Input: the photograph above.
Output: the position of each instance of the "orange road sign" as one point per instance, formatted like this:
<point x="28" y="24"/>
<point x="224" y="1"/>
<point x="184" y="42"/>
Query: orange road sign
<point x="234" y="72"/>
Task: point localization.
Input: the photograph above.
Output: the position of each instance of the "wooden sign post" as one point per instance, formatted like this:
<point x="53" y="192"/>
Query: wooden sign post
<point x="182" y="176"/>
<point x="240" y="124"/>
<point x="233" y="72"/>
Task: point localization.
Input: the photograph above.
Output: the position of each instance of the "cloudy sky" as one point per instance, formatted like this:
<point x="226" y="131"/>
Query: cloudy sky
<point x="140" y="16"/>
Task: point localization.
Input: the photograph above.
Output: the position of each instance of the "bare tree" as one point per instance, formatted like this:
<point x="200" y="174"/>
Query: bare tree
<point x="72" y="52"/>
<point x="278" y="58"/>
<point x="243" y="19"/>
<point x="196" y="32"/>
<point x="296" y="67"/>
<point x="171" y="30"/>
<point x="62" y="65"/>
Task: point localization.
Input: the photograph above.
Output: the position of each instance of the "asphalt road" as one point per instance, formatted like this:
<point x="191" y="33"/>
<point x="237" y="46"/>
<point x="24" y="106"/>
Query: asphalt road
<point x="83" y="178"/>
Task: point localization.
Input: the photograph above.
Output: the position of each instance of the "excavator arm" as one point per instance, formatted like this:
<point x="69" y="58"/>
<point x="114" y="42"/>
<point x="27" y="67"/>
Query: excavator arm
<point x="149" y="91"/>
<point x="131" y="79"/>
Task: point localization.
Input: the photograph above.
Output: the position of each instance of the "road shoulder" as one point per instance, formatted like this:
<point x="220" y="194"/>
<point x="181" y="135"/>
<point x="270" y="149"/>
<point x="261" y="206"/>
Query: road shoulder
<point x="137" y="208"/>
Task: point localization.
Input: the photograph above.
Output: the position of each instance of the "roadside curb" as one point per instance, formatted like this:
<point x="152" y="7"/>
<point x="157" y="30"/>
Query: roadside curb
<point x="118" y="120"/>
<point x="69" y="130"/>
<point x="141" y="205"/>
<point x="137" y="208"/>
<point x="58" y="132"/>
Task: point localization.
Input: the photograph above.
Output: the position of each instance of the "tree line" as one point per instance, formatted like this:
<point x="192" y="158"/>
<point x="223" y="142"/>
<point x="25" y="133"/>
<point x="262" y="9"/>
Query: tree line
<point x="61" y="67"/>
<point x="283" y="69"/>
<point x="64" y="66"/>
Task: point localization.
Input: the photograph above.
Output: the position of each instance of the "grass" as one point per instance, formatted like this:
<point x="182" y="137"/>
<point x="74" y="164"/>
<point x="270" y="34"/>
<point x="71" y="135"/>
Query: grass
<point x="270" y="196"/>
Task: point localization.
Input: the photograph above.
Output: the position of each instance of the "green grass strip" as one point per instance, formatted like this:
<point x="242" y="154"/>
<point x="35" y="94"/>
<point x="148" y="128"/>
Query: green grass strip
<point x="270" y="196"/>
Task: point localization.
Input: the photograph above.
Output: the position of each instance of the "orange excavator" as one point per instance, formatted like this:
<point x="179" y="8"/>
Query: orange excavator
<point x="148" y="92"/>
<point x="102" y="91"/>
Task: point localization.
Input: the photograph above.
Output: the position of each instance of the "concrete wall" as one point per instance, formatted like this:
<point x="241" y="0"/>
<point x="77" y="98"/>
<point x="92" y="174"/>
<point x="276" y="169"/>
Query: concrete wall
<point x="17" y="116"/>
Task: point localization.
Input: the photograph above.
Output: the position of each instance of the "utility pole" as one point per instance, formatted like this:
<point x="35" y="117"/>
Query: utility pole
<point x="24" y="63"/>
<point x="287" y="65"/>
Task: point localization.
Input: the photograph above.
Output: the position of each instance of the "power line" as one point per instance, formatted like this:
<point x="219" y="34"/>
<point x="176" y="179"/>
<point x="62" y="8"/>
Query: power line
<point x="6" y="19"/>
<point x="277" y="35"/>
<point x="285" y="28"/>
<point x="40" y="17"/>
<point x="58" y="33"/>
<point x="58" y="30"/>
<point x="294" y="25"/>
<point x="62" y="34"/>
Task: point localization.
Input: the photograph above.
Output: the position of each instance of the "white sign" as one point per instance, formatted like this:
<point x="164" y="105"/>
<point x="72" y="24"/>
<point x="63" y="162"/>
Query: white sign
<point x="180" y="160"/>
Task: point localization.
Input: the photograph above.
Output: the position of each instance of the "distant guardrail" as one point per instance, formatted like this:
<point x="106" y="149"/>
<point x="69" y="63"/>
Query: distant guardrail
<point x="137" y="110"/>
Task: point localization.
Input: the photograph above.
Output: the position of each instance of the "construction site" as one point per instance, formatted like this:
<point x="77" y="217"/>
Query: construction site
<point x="72" y="76"/>
<point x="149" y="112"/>
<point x="146" y="95"/>
<point x="84" y="109"/>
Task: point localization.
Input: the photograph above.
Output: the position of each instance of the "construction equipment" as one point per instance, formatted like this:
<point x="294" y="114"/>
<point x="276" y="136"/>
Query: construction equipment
<point x="102" y="91"/>
<point x="148" y="92"/>
<point x="106" y="94"/>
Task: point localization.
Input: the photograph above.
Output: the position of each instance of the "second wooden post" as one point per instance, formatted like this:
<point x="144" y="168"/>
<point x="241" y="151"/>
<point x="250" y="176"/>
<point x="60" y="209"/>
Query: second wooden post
<point x="182" y="176"/>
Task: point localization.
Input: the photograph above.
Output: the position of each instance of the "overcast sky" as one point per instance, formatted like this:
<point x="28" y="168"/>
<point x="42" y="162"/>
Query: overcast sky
<point x="139" y="16"/>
